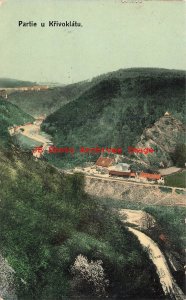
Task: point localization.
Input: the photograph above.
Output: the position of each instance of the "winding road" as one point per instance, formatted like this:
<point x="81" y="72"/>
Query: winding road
<point x="169" y="285"/>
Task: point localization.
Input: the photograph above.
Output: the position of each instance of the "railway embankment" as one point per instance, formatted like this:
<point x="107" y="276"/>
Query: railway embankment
<point x="150" y="194"/>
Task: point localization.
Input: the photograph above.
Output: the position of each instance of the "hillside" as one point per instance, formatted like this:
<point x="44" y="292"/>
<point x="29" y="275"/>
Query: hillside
<point x="47" y="101"/>
<point x="10" y="115"/>
<point x="47" y="221"/>
<point x="11" y="83"/>
<point x="163" y="136"/>
<point x="116" y="109"/>
<point x="43" y="210"/>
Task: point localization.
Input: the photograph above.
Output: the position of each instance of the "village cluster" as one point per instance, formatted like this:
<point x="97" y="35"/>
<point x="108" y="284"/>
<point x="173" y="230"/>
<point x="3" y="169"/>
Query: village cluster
<point x="110" y="167"/>
<point x="108" y="164"/>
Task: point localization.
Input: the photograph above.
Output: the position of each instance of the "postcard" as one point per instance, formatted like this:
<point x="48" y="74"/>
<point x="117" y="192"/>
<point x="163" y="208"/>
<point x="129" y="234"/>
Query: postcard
<point x="92" y="150"/>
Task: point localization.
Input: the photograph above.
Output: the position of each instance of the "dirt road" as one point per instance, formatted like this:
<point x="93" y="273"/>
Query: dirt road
<point x="169" y="171"/>
<point x="168" y="283"/>
<point x="140" y="219"/>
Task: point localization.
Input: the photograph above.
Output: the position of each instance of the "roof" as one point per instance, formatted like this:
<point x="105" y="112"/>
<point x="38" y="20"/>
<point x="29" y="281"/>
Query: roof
<point x="104" y="161"/>
<point x="150" y="176"/>
<point x="132" y="174"/>
<point x="122" y="167"/>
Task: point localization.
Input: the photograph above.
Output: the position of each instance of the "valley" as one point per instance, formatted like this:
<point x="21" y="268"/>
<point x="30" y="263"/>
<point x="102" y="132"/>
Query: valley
<point x="65" y="205"/>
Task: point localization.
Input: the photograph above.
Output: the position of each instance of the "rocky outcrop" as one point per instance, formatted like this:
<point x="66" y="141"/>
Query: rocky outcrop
<point x="7" y="288"/>
<point x="163" y="137"/>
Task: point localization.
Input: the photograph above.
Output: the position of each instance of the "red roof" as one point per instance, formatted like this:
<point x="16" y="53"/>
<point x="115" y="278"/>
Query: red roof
<point x="132" y="174"/>
<point x="150" y="176"/>
<point x="104" y="161"/>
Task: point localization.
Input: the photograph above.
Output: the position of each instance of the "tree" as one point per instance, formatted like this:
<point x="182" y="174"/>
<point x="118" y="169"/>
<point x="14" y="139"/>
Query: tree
<point x="179" y="156"/>
<point x="90" y="275"/>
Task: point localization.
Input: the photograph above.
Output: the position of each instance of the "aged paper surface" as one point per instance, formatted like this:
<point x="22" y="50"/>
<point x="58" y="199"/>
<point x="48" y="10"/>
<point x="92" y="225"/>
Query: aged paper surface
<point x="92" y="149"/>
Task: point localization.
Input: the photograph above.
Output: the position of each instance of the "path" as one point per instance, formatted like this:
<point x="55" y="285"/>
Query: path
<point x="143" y="220"/>
<point x="168" y="283"/>
<point x="169" y="171"/>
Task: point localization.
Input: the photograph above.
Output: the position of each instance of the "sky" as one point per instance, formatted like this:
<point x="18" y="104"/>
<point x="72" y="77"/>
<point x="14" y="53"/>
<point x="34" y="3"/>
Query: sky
<point x="114" y="35"/>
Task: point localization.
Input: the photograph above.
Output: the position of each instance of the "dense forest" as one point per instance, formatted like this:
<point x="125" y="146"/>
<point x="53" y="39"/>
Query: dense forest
<point x="47" y="101"/>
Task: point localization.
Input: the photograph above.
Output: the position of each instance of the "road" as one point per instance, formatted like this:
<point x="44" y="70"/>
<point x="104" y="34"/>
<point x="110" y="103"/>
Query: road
<point x="169" y="171"/>
<point x="167" y="281"/>
<point x="143" y="220"/>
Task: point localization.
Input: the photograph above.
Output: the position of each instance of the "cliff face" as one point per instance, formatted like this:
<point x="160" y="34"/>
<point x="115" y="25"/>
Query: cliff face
<point x="7" y="286"/>
<point x="163" y="137"/>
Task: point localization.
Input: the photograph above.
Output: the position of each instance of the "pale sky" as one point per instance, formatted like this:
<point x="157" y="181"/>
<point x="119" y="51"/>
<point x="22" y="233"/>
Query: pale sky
<point x="114" y="35"/>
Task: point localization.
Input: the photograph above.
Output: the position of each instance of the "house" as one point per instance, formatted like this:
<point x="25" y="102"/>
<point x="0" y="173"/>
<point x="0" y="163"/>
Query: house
<point x="148" y="176"/>
<point x="133" y="174"/>
<point x="104" y="162"/>
<point x="123" y="167"/>
<point x="167" y="114"/>
<point x="121" y="170"/>
<point x="38" y="151"/>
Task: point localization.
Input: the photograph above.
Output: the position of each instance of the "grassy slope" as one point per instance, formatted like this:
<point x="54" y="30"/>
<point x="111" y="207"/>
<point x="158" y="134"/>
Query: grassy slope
<point x="46" y="102"/>
<point x="117" y="107"/>
<point x="46" y="220"/>
<point x="10" y="115"/>
<point x="177" y="180"/>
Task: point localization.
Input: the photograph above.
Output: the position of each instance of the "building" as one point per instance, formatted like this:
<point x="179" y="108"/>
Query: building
<point x="148" y="176"/>
<point x="167" y="114"/>
<point x="125" y="172"/>
<point x="123" y="167"/>
<point x="38" y="151"/>
<point x="104" y="162"/>
<point x="121" y="170"/>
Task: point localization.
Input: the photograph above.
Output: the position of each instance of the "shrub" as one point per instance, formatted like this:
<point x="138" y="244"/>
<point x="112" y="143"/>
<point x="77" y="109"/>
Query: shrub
<point x="89" y="275"/>
<point x="179" y="156"/>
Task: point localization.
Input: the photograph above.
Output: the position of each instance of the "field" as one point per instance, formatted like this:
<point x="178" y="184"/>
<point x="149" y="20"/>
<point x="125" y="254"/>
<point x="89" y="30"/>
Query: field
<point x="177" y="180"/>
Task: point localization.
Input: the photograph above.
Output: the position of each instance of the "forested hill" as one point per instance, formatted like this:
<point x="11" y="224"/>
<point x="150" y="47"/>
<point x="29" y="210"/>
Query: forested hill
<point x="117" y="107"/>
<point x="47" y="101"/>
<point x="12" y="83"/>
<point x="10" y="115"/>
